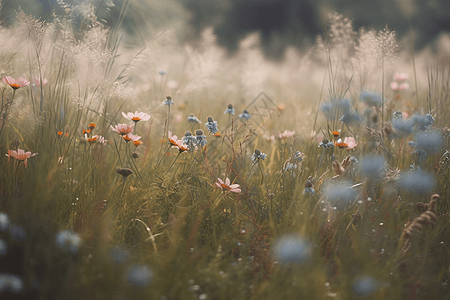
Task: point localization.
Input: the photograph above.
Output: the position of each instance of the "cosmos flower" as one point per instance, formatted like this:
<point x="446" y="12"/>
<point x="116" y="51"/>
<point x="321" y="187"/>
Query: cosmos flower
<point x="286" y="134"/>
<point x="351" y="143"/>
<point x="212" y="125"/>
<point x="136" y="117"/>
<point x="131" y="137"/>
<point x="245" y="116"/>
<point x="20" y="155"/>
<point x="394" y="86"/>
<point x="257" y="155"/>
<point x="400" y="76"/>
<point x="173" y="139"/>
<point x="229" y="110"/>
<point x="181" y="147"/>
<point x="123" y="129"/>
<point x="227" y="187"/>
<point x="15" y="83"/>
<point x="37" y="81"/>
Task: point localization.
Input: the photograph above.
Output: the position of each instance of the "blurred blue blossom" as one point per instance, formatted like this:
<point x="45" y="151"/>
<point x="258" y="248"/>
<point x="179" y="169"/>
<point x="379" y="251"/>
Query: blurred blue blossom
<point x="339" y="193"/>
<point x="371" y="98"/>
<point x="403" y="128"/>
<point x="309" y="190"/>
<point x="430" y="141"/>
<point x="423" y="122"/>
<point x="4" y="222"/>
<point x="417" y="182"/>
<point x="162" y="72"/>
<point x="245" y="115"/>
<point x="335" y="106"/>
<point x="139" y="276"/>
<point x="291" y="249"/>
<point x="373" y="167"/>
<point x="364" y="285"/>
<point x="118" y="255"/>
<point x="3" y="247"/>
<point x="168" y="101"/>
<point x="350" y="117"/>
<point x="68" y="241"/>
<point x="298" y="156"/>
<point x="18" y="234"/>
<point x="200" y="138"/>
<point x="12" y="283"/>
<point x="326" y="144"/>
<point x="193" y="119"/>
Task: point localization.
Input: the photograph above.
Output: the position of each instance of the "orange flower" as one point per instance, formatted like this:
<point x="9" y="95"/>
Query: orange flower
<point x="340" y="144"/>
<point x="92" y="126"/>
<point x="92" y="139"/>
<point x="217" y="134"/>
<point x="336" y="134"/>
<point x="137" y="143"/>
<point x="60" y="133"/>
<point x="173" y="139"/>
<point x="181" y="147"/>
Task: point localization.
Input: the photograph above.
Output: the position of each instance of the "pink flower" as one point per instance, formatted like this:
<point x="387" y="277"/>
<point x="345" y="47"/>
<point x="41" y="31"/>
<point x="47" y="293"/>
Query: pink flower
<point x="37" y="81"/>
<point x="15" y="83"/>
<point x="225" y="186"/>
<point x="400" y="76"/>
<point x="20" y="155"/>
<point x="394" y="86"/>
<point x="173" y="139"/>
<point x="136" y="117"/>
<point x="286" y="134"/>
<point x="403" y="86"/>
<point x="123" y="129"/>
<point x="351" y="143"/>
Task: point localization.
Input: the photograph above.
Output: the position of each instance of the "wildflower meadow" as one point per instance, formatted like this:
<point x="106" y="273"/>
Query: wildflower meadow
<point x="168" y="172"/>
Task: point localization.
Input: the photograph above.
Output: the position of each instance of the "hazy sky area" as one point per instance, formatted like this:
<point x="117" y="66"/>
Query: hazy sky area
<point x="280" y="23"/>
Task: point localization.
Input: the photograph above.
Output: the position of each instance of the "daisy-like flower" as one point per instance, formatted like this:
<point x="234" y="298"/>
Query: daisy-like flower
<point x="173" y="139"/>
<point x="351" y="143"/>
<point x="15" y="83"/>
<point x="193" y="119"/>
<point x="258" y="155"/>
<point x="91" y="140"/>
<point x="212" y="125"/>
<point x="400" y="76"/>
<point x="131" y="137"/>
<point x="339" y="143"/>
<point x="245" y="115"/>
<point x="229" y="110"/>
<point x="136" y="116"/>
<point x="227" y="187"/>
<point x="189" y="140"/>
<point x="62" y="134"/>
<point x="123" y="129"/>
<point x="20" y="155"/>
<point x="168" y="101"/>
<point x="181" y="147"/>
<point x="137" y="143"/>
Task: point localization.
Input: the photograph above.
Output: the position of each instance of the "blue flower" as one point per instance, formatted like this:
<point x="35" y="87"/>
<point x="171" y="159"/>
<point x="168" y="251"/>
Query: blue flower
<point x="397" y="115"/>
<point x="118" y="255"/>
<point x="326" y="144"/>
<point x="245" y="115"/>
<point x="430" y="141"/>
<point x="139" y="276"/>
<point x="18" y="234"/>
<point x="12" y="283"/>
<point x="373" y="167"/>
<point x="229" y="110"/>
<point x="68" y="241"/>
<point x="298" y="156"/>
<point x="200" y="138"/>
<point x="257" y="155"/>
<point x="212" y="125"/>
<point x="340" y="193"/>
<point x="3" y="247"/>
<point x="168" y="101"/>
<point x="4" y="222"/>
<point x="291" y="249"/>
<point x="162" y="72"/>
<point x="350" y="117"/>
<point x="371" y="98"/>
<point x="403" y="128"/>
<point x="424" y="122"/>
<point x="193" y="119"/>
<point x="417" y="182"/>
<point x="364" y="285"/>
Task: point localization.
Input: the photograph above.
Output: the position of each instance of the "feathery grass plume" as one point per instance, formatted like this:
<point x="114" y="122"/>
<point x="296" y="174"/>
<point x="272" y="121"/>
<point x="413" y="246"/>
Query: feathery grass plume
<point x="291" y="249"/>
<point x="419" y="224"/>
<point x="417" y="182"/>
<point x="370" y="98"/>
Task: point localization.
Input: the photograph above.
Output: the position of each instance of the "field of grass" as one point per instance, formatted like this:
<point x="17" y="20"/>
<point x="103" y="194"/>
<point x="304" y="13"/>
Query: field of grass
<point x="334" y="185"/>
